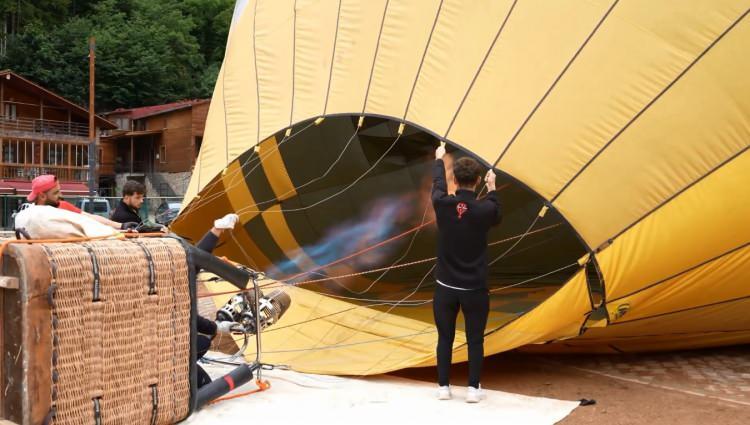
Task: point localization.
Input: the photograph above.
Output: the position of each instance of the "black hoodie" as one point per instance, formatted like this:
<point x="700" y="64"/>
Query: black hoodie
<point x="463" y="222"/>
<point x="123" y="213"/>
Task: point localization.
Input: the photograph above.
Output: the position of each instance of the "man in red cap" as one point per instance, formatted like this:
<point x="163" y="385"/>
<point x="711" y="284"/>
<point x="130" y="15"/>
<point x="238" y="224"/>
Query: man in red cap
<point x="45" y="190"/>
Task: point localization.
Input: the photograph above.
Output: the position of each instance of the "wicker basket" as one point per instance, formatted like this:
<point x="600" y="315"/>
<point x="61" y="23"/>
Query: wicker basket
<point x="98" y="332"/>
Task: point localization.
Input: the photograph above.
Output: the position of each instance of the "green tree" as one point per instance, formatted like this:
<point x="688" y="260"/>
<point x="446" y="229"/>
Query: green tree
<point x="147" y="56"/>
<point x="212" y="19"/>
<point x="148" y="52"/>
<point x="24" y="12"/>
<point x="56" y="59"/>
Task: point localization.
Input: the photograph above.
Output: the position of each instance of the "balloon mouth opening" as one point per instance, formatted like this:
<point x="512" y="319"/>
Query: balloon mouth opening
<point x="341" y="206"/>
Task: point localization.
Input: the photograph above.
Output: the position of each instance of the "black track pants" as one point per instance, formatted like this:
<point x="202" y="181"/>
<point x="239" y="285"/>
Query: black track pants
<point x="475" y="305"/>
<point x="203" y="343"/>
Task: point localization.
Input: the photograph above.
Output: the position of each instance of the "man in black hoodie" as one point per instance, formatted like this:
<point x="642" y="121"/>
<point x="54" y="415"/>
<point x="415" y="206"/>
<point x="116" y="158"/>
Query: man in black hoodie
<point x="126" y="211"/>
<point x="463" y="222"/>
<point x="207" y="328"/>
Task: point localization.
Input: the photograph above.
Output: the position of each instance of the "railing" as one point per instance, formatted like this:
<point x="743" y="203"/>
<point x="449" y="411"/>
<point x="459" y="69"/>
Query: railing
<point x="137" y="167"/>
<point x="50" y="127"/>
<point x="28" y="172"/>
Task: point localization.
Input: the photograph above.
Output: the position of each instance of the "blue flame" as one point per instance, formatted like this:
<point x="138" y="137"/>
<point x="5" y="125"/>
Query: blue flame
<point x="383" y="218"/>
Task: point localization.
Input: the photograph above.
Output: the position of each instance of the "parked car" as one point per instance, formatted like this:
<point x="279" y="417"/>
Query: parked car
<point x="98" y="206"/>
<point x="167" y="212"/>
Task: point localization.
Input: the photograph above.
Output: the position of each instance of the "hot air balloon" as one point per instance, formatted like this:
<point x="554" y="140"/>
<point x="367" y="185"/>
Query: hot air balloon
<point x="619" y="129"/>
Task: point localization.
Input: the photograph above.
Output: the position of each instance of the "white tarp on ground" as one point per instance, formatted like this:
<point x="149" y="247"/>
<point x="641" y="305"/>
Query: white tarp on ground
<point x="315" y="399"/>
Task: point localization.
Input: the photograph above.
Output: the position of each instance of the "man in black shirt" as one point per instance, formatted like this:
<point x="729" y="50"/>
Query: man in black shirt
<point x="207" y="328"/>
<point x="133" y="193"/>
<point x="463" y="222"/>
<point x="126" y="211"/>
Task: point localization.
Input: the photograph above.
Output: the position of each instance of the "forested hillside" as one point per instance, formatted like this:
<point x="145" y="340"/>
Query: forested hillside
<point x="148" y="51"/>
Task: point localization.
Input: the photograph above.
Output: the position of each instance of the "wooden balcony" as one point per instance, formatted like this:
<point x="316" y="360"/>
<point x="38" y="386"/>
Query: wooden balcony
<point x="44" y="129"/>
<point x="29" y="171"/>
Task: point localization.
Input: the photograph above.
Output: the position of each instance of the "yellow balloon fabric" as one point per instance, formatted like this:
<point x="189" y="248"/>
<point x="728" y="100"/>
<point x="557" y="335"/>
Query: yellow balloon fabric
<point x="620" y="130"/>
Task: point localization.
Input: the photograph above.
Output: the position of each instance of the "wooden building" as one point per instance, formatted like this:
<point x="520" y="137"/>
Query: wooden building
<point x="42" y="133"/>
<point x="153" y="143"/>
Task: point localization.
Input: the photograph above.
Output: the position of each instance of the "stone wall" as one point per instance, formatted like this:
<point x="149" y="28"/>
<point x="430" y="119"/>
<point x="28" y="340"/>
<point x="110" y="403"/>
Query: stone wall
<point x="159" y="184"/>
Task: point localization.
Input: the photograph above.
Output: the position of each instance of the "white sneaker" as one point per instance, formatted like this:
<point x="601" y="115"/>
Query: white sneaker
<point x="227" y="222"/>
<point x="474" y="395"/>
<point x="444" y="393"/>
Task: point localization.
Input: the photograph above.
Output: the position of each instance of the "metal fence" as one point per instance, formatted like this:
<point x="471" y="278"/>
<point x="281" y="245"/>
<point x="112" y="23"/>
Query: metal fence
<point x="153" y="209"/>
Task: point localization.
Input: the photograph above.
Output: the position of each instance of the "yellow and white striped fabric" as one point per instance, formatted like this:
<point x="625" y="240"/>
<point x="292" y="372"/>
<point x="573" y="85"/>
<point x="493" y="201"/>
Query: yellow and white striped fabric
<point x="630" y="118"/>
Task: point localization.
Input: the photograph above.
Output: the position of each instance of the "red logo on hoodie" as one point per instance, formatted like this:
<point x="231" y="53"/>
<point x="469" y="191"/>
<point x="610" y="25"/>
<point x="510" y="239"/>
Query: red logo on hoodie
<point x="461" y="208"/>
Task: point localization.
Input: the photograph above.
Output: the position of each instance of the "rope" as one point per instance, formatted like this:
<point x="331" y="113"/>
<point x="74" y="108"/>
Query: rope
<point x="534" y="278"/>
<point x="554" y="83"/>
<point x="260" y="157"/>
<point x="480" y="68"/>
<point x="414" y="230"/>
<point x="385" y="270"/>
<point x="374" y="304"/>
<point x="5" y="243"/>
<point x="335" y="313"/>
<point x="362" y="251"/>
<point x="328" y="198"/>
<point x="424" y="260"/>
<point x="283" y="283"/>
<point x="344" y="276"/>
<point x="333" y="57"/>
<point x="648" y="105"/>
<point x="249" y="259"/>
<point x="201" y="202"/>
<point x="366" y="321"/>
<point x="245" y="210"/>
<point x="340" y="345"/>
<point x="391" y="338"/>
<point x="295" y="189"/>
<point x="527" y="232"/>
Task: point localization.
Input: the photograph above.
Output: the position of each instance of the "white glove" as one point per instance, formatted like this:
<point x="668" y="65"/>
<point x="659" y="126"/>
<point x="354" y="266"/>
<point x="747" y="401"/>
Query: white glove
<point x="225" y="327"/>
<point x="227" y="222"/>
<point x="490" y="180"/>
<point x="440" y="151"/>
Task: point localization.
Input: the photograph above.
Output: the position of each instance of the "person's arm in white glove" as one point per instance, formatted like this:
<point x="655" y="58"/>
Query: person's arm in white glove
<point x="225" y="328"/>
<point x="225" y="223"/>
<point x="209" y="241"/>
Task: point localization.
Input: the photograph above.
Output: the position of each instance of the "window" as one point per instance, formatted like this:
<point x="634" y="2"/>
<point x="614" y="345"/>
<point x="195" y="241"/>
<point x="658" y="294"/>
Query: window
<point x="80" y="155"/>
<point x="80" y="175"/>
<point x="123" y="123"/>
<point x="101" y="156"/>
<point x="29" y="152"/>
<point x="163" y="154"/>
<point x="10" y="151"/>
<point x="10" y="111"/>
<point x="56" y="154"/>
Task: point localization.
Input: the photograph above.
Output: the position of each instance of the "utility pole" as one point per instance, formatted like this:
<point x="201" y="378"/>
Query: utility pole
<point x="92" y="126"/>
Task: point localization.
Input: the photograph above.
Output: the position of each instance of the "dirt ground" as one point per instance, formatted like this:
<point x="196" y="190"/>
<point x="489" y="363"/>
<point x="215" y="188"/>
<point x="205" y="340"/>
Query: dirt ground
<point x="709" y="386"/>
<point x="670" y="398"/>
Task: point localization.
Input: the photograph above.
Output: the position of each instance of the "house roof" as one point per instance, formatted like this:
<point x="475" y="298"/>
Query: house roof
<point x="127" y="135"/>
<point x="33" y="87"/>
<point x="149" y="111"/>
